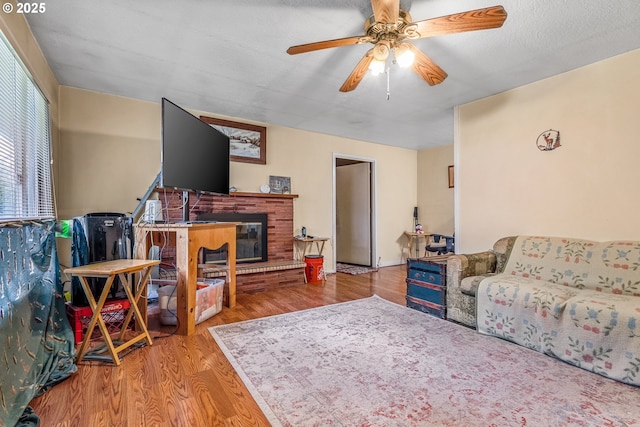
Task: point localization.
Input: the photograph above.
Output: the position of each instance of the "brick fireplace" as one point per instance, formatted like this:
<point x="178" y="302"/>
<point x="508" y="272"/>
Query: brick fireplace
<point x="280" y="270"/>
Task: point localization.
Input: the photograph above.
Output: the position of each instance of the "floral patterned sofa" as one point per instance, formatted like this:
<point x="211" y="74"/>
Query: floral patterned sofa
<point x="576" y="300"/>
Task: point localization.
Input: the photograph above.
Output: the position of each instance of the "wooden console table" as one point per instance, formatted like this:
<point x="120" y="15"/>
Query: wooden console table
<point x="123" y="268"/>
<point x="188" y="239"/>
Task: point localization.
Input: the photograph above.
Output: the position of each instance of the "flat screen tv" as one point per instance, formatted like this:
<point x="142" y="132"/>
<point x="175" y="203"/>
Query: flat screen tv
<point x="195" y="156"/>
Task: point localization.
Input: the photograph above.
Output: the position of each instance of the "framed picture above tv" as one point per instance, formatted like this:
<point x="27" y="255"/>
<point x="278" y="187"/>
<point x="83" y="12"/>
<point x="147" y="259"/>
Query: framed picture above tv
<point x="248" y="142"/>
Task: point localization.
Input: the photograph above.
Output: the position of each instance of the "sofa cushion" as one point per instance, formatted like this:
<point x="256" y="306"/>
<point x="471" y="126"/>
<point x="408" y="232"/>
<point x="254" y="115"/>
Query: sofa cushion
<point x="469" y="285"/>
<point x="515" y="293"/>
<point x="612" y="267"/>
<point x="594" y="330"/>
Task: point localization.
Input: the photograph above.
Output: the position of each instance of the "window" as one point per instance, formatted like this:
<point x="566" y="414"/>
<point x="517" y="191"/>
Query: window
<point x="26" y="189"/>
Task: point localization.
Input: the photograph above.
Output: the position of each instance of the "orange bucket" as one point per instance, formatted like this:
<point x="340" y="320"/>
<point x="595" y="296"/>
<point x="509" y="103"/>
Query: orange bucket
<point x="314" y="269"/>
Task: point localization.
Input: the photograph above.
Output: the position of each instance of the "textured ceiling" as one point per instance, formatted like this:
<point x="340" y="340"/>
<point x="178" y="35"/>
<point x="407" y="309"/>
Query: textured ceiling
<point x="228" y="57"/>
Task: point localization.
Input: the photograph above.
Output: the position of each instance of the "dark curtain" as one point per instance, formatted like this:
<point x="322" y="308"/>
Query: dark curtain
<point x="35" y="336"/>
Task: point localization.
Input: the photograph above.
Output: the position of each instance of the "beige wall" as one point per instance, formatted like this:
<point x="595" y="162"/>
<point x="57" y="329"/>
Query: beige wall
<point x="585" y="188"/>
<point x="110" y="154"/>
<point x="435" y="198"/>
<point x="109" y="151"/>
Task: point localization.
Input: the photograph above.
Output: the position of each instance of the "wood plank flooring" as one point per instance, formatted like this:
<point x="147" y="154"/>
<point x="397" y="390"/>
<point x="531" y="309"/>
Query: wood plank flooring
<point x="187" y="381"/>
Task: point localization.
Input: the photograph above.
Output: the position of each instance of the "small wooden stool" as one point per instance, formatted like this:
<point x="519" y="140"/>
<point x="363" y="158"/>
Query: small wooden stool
<point x="122" y="268"/>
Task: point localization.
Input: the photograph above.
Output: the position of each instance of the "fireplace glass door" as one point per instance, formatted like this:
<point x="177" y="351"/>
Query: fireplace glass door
<point x="251" y="238"/>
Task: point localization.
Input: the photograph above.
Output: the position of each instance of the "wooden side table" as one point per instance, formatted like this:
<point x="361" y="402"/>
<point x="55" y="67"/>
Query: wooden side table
<point x="124" y="269"/>
<point x="307" y="246"/>
<point x="413" y="236"/>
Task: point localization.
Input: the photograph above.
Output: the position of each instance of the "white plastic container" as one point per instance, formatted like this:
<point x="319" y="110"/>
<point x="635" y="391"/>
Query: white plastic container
<point x="167" y="298"/>
<point x="208" y="298"/>
<point x="208" y="301"/>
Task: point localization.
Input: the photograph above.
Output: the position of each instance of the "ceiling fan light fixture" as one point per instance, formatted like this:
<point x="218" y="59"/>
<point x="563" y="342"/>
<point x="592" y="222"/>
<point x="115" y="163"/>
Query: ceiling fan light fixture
<point x="377" y="67"/>
<point x="388" y="29"/>
<point x="404" y="55"/>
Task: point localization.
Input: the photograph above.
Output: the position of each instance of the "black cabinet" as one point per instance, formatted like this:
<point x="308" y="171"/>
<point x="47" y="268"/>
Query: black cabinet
<point x="427" y="285"/>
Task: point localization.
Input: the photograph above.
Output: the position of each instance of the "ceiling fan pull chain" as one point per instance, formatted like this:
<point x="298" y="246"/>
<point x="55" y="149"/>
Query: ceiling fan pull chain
<point x="388" y="91"/>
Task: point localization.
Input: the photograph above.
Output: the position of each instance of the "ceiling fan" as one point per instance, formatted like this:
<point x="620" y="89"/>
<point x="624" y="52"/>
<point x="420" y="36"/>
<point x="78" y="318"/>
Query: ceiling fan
<point x="390" y="28"/>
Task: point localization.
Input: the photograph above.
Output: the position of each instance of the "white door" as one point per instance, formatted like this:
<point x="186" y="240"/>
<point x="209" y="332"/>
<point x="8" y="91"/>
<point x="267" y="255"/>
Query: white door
<point x="353" y="213"/>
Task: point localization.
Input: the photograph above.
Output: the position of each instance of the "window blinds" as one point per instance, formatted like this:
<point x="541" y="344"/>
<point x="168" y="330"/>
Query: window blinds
<point x="26" y="189"/>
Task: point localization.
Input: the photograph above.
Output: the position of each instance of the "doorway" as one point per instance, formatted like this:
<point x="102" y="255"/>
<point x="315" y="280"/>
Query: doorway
<point x="354" y="210"/>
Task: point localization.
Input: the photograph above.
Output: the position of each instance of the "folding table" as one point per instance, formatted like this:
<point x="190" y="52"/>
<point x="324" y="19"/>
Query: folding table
<point x="124" y="269"/>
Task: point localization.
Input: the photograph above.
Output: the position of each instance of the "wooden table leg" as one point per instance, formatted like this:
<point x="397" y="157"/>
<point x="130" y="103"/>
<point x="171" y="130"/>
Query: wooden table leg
<point x="97" y="318"/>
<point x="134" y="305"/>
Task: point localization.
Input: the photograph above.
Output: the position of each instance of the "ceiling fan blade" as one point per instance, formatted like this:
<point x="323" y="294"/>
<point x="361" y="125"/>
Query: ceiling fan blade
<point x="386" y="11"/>
<point x="472" y="20"/>
<point x="426" y="68"/>
<point x="358" y="73"/>
<point x="310" y="47"/>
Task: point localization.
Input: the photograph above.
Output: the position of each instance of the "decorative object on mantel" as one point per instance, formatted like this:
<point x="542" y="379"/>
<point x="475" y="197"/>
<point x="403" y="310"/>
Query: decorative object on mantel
<point x="450" y="176"/>
<point x="280" y="184"/>
<point x="248" y="142"/>
<point x="265" y="188"/>
<point x="548" y="140"/>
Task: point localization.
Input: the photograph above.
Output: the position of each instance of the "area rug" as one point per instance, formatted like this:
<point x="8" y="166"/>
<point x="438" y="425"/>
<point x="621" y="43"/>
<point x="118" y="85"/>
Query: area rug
<point x="371" y="362"/>
<point x="354" y="269"/>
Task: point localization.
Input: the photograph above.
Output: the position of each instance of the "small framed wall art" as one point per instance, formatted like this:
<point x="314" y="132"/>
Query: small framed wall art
<point x="248" y="142"/>
<point x="280" y="184"/>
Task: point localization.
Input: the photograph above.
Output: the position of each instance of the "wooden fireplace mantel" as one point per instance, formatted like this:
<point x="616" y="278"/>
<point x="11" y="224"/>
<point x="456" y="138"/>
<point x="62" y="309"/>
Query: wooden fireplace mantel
<point x="239" y="194"/>
<point x="272" y="195"/>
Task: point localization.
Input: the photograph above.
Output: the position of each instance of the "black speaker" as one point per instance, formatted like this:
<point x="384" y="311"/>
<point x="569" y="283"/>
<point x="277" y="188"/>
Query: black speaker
<point x="415" y="212"/>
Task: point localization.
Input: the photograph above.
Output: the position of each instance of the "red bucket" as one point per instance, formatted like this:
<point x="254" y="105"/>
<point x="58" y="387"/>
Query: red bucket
<point x="314" y="271"/>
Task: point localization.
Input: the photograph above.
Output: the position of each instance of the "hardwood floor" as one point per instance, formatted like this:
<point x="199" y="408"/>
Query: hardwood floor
<point x="187" y="381"/>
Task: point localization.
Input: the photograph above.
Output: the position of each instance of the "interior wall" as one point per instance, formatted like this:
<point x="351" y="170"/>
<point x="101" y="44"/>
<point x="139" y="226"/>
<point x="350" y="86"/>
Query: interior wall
<point x="110" y="154"/>
<point x="586" y="188"/>
<point x="435" y="198"/>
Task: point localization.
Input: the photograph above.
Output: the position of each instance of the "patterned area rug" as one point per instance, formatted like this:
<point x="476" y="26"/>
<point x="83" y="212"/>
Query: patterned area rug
<point x="354" y="269"/>
<point x="371" y="362"/>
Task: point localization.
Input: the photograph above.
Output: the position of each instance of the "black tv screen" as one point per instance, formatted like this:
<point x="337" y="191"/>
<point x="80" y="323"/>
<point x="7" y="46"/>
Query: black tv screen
<point x="195" y="156"/>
